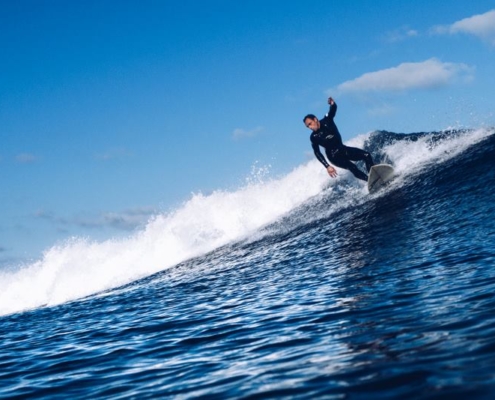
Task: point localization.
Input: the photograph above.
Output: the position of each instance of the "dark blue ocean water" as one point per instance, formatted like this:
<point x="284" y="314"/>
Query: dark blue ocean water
<point x="346" y="296"/>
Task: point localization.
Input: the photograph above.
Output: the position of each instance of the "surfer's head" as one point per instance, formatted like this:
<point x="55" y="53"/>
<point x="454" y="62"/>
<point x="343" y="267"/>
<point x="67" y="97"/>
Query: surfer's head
<point x="311" y="122"/>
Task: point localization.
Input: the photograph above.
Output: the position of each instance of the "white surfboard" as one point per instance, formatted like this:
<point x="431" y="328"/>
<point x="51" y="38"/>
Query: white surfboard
<point x="379" y="176"/>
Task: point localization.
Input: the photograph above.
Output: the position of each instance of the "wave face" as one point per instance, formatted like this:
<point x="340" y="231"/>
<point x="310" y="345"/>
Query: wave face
<point x="294" y="286"/>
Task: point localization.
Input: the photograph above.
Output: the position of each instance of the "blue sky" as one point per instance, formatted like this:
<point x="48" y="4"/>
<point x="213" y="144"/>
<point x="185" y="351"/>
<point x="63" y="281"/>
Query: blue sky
<point x="111" y="111"/>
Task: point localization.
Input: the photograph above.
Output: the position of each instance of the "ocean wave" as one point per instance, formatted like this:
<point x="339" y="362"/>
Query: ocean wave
<point x="80" y="267"/>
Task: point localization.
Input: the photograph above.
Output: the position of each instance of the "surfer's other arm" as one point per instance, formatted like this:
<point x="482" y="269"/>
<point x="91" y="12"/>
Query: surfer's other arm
<point x="321" y="158"/>
<point x="332" y="171"/>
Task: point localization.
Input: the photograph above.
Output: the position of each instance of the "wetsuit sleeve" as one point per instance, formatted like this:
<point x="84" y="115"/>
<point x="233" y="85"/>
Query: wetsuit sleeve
<point x="332" y="111"/>
<point x="319" y="156"/>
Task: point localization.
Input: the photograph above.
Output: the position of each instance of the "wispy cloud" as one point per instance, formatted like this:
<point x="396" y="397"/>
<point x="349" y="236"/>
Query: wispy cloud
<point x="481" y="25"/>
<point x="379" y="110"/>
<point x="242" y="133"/>
<point x="400" y="34"/>
<point x="429" y="74"/>
<point x="126" y="220"/>
<point x="113" y="154"/>
<point x="26" y="158"/>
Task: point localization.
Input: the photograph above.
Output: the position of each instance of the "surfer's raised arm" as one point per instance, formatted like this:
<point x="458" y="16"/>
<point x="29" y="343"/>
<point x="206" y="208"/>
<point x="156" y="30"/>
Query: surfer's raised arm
<point x="333" y="107"/>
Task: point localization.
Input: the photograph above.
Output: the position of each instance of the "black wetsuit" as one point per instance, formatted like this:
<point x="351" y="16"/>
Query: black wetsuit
<point x="328" y="137"/>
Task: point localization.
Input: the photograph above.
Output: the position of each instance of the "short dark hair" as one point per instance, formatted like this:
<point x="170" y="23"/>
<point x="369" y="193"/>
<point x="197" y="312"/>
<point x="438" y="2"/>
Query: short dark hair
<point x="310" y="116"/>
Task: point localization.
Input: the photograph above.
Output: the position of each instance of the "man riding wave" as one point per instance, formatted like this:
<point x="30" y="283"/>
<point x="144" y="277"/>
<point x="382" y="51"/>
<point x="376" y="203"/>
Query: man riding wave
<point x="326" y="134"/>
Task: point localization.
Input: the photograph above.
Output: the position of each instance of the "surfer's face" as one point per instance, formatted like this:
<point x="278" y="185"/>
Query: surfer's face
<point x="312" y="124"/>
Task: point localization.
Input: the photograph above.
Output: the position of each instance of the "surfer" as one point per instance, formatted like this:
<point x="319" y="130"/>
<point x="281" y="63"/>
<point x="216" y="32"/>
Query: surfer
<point x="326" y="135"/>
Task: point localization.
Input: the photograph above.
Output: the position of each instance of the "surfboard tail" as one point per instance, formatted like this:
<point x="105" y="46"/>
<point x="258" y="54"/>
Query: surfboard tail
<point x="379" y="176"/>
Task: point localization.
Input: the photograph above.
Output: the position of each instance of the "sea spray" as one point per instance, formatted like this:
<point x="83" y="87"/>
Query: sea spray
<point x="80" y="267"/>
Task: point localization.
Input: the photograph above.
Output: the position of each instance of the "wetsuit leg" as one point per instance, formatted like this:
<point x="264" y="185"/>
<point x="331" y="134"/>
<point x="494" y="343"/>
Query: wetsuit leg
<point x="355" y="154"/>
<point x="343" y="156"/>
<point x="340" y="160"/>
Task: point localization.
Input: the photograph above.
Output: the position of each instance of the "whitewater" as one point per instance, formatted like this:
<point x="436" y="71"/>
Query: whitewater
<point x="81" y="267"/>
<point x="282" y="287"/>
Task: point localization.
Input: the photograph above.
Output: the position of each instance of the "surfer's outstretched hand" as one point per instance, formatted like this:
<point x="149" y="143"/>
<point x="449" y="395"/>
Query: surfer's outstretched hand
<point x="331" y="101"/>
<point x="332" y="171"/>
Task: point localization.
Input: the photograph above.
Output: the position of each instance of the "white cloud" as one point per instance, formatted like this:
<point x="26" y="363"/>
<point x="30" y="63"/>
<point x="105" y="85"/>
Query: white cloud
<point x="241" y="133"/>
<point x="25" y="158"/>
<point x="380" y="110"/>
<point x="428" y="74"/>
<point x="481" y="25"/>
<point x="126" y="220"/>
<point x="116" y="153"/>
<point x="400" y="34"/>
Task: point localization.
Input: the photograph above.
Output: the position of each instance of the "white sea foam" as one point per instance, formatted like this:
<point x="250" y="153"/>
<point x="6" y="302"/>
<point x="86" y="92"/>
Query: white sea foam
<point x="81" y="267"/>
